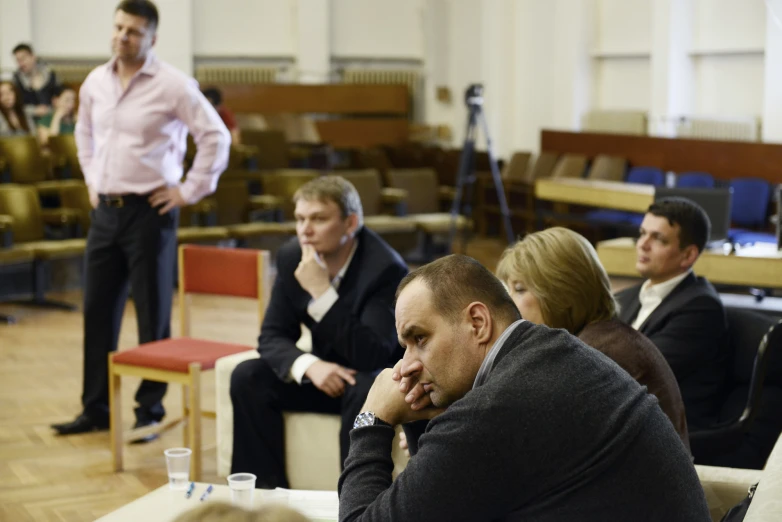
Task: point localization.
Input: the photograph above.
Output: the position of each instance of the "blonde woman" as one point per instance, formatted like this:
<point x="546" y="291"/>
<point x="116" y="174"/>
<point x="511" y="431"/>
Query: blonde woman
<point x="555" y="278"/>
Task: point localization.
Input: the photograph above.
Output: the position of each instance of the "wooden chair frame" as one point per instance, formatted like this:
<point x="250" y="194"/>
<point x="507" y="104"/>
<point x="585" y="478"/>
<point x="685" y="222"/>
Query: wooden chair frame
<point x="190" y="381"/>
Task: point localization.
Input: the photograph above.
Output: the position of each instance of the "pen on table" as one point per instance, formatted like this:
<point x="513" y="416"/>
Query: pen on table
<point x="206" y="493"/>
<point x="190" y="490"/>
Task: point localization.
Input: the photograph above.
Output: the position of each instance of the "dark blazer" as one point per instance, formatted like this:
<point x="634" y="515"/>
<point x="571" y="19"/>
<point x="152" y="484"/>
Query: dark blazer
<point x="639" y="357"/>
<point x="690" y="329"/>
<point x="358" y="332"/>
<point x="557" y="433"/>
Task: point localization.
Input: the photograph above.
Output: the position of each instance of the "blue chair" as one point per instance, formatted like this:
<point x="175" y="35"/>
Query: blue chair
<point x="643" y="175"/>
<point x="695" y="180"/>
<point x="749" y="209"/>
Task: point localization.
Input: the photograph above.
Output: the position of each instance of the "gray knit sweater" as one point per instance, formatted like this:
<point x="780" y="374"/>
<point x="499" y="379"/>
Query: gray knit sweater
<point x="558" y="433"/>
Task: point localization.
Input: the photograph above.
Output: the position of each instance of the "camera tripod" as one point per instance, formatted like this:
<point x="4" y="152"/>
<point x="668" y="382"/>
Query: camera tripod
<point x="465" y="179"/>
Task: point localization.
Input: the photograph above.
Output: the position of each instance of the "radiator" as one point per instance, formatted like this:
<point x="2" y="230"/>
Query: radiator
<point x="732" y="129"/>
<point x="412" y="79"/>
<point x="232" y="74"/>
<point x="616" y="122"/>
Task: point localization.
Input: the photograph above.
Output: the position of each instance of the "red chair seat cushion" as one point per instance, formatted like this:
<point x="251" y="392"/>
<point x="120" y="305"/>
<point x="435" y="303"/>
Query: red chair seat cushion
<point x="175" y="355"/>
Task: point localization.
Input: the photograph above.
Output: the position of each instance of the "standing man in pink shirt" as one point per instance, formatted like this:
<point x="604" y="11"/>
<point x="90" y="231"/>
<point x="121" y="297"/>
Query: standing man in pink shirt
<point x="134" y="115"/>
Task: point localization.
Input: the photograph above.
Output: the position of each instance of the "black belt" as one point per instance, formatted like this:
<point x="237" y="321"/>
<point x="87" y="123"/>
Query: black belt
<point x="121" y="200"/>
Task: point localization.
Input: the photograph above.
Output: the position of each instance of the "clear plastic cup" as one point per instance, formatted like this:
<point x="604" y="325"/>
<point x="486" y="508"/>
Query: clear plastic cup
<point x="178" y="464"/>
<point x="242" y="489"/>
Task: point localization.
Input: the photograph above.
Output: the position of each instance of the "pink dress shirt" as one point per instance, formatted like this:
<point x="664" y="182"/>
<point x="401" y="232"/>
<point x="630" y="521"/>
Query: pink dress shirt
<point x="135" y="141"/>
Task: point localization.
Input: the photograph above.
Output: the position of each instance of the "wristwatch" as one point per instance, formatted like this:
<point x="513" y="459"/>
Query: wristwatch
<point x="368" y="418"/>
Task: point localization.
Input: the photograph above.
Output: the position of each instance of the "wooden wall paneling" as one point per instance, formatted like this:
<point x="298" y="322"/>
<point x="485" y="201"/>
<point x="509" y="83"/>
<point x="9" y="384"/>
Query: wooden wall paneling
<point x="722" y="159"/>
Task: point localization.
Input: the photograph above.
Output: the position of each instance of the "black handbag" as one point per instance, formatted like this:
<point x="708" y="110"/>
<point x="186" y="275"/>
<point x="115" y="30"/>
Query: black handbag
<point x="739" y="511"/>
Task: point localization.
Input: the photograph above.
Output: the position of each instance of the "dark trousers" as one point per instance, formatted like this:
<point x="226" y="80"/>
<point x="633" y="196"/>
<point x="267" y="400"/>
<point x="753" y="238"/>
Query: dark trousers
<point x="132" y="243"/>
<point x="259" y="398"/>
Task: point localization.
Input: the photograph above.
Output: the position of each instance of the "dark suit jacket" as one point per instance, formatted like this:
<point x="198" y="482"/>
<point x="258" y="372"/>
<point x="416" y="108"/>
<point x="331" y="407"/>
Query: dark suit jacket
<point x="358" y="332"/>
<point x="690" y="329"/>
<point x="639" y="357"/>
<point x="557" y="433"/>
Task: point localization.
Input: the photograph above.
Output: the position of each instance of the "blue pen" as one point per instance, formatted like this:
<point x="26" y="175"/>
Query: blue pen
<point x="206" y="493"/>
<point x="190" y="490"/>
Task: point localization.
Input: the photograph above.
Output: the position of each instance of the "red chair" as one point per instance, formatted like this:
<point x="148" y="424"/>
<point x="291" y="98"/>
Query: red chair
<point x="202" y="270"/>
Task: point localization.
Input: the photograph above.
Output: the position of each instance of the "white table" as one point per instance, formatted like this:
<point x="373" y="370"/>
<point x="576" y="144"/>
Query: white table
<point x="164" y="504"/>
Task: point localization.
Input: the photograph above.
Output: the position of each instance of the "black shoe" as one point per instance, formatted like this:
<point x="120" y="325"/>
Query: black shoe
<point x="82" y="424"/>
<point x="144" y="423"/>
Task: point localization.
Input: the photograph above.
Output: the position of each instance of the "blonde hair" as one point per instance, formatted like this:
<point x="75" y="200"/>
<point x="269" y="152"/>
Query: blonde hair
<point x="336" y="189"/>
<point x="222" y="512"/>
<point x="561" y="269"/>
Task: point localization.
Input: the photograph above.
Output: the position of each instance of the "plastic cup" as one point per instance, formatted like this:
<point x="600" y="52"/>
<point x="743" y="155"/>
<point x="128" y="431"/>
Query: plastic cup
<point x="242" y="489"/>
<point x="178" y="464"/>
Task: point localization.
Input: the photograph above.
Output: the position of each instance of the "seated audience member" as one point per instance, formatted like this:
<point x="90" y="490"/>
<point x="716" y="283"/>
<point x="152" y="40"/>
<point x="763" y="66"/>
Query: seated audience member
<point x="215" y="97"/>
<point x="62" y="120"/>
<point x="555" y="278"/>
<point x="338" y="279"/>
<point x="222" y="512"/>
<point x="14" y="119"/>
<point x="36" y="81"/>
<point x="682" y="314"/>
<point x="527" y="422"/>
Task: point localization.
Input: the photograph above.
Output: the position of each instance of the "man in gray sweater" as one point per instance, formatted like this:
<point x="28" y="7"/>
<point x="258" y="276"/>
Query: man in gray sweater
<point x="527" y="422"/>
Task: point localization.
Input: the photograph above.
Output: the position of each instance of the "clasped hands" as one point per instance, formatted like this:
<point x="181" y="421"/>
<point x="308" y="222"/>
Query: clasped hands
<point x="397" y="397"/>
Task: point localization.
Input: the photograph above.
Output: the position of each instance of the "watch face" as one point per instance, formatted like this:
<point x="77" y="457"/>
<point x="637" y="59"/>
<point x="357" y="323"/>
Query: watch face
<point x="366" y="418"/>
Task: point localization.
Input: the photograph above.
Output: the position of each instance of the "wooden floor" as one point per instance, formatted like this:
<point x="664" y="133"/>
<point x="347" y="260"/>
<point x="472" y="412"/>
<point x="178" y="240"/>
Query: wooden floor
<point x="49" y="478"/>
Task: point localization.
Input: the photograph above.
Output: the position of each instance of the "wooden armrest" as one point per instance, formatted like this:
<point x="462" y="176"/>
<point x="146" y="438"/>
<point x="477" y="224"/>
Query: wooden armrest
<point x="265" y="202"/>
<point x="446" y="192"/>
<point x="60" y="216"/>
<point x="248" y="151"/>
<point x="393" y="195"/>
<point x="6" y="231"/>
<point x="6" y="222"/>
<point x="204" y="206"/>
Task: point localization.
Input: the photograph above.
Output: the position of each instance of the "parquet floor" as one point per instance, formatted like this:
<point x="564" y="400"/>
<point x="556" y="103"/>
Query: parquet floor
<point x="49" y="478"/>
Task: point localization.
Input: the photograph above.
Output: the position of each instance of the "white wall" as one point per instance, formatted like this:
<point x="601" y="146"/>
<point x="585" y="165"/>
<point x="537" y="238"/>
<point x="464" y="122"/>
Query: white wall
<point x="729" y="25"/>
<point x="90" y="37"/>
<point x="244" y="28"/>
<point x="623" y="26"/>
<point x="377" y="28"/>
<point x="542" y="62"/>
<point x="15" y="27"/>
<point x="621" y="53"/>
<point x="729" y="85"/>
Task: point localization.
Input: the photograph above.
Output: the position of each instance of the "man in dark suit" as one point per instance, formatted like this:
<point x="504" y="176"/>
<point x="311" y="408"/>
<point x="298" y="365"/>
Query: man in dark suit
<point x="682" y="314"/>
<point x="338" y="279"/>
<point x="528" y="422"/>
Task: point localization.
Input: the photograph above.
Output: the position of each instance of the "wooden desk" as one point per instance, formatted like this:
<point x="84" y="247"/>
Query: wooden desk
<point x="634" y="197"/>
<point x="755" y="267"/>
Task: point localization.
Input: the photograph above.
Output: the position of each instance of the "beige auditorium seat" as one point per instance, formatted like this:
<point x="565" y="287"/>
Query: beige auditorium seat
<point x="311" y="439"/>
<point x="726" y="487"/>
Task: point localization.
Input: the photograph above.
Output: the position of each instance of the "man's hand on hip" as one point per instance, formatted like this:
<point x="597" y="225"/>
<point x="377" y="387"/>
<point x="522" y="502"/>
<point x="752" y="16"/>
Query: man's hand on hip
<point x="94" y="201"/>
<point x="330" y="378"/>
<point x="167" y="198"/>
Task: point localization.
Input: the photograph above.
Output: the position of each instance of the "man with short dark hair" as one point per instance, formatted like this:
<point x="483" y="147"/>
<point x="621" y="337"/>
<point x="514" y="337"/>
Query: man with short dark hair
<point x="36" y="81"/>
<point x="134" y="116"/>
<point x="337" y="279"/>
<point x="681" y="313"/>
<point x="527" y="422"/>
